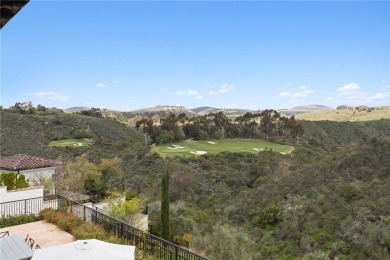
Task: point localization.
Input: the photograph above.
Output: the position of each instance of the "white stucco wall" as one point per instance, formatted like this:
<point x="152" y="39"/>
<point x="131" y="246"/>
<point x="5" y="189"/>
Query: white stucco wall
<point x="34" y="174"/>
<point x="21" y="201"/>
<point x="20" y="194"/>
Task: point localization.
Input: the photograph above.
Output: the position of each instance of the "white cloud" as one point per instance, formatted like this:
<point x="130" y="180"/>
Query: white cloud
<point x="332" y="100"/>
<point x="304" y="92"/>
<point x="381" y="96"/>
<point x="187" y="92"/>
<point x="352" y="94"/>
<point x="284" y="94"/>
<point x="224" y="88"/>
<point x="388" y="86"/>
<point x="357" y="96"/>
<point x="51" y="96"/>
<point x="101" y="85"/>
<point x="348" y="89"/>
<point x="192" y="93"/>
<point x="301" y="94"/>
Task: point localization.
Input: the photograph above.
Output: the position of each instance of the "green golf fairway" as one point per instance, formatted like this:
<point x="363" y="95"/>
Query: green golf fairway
<point x="192" y="147"/>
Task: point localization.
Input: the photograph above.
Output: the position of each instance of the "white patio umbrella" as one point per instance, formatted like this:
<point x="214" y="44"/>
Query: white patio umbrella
<point x="86" y="249"/>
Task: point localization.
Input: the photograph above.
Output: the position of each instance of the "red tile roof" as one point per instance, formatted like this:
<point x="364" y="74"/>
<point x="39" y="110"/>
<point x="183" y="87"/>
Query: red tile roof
<point x="25" y="162"/>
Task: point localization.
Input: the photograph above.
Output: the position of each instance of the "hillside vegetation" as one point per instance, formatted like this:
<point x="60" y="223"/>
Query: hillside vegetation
<point x="31" y="134"/>
<point x="322" y="133"/>
<point x="328" y="199"/>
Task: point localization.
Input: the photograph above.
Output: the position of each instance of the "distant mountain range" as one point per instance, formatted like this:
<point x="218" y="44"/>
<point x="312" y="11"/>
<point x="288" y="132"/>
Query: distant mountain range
<point x="303" y="109"/>
<point x="76" y="109"/>
<point x="167" y="110"/>
<point x="227" y="111"/>
<point x="162" y="110"/>
<point x="308" y="112"/>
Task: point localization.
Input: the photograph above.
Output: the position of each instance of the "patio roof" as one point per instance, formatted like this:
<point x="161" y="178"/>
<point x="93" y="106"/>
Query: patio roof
<point x="20" y="162"/>
<point x="9" y="9"/>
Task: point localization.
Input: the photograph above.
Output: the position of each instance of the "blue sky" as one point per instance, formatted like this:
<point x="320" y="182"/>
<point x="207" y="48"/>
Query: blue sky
<point x="126" y="55"/>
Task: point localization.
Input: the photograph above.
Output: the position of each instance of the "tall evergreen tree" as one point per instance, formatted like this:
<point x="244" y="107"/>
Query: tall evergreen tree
<point x="165" y="229"/>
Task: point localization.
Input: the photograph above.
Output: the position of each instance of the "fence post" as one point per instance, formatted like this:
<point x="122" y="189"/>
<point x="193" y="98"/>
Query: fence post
<point x="122" y="232"/>
<point x="176" y="252"/>
<point x="25" y="207"/>
<point x="84" y="213"/>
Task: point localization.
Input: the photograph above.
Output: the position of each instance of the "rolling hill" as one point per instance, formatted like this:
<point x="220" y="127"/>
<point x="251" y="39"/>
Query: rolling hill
<point x="227" y="111"/>
<point x="31" y="134"/>
<point x="303" y="109"/>
<point x="351" y="114"/>
<point x="76" y="109"/>
<point x="162" y="111"/>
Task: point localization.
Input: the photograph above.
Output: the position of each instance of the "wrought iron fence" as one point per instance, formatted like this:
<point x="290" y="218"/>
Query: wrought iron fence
<point x="148" y="243"/>
<point x="29" y="206"/>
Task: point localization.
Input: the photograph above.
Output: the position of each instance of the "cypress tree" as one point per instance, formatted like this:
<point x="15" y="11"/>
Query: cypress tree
<point x="165" y="230"/>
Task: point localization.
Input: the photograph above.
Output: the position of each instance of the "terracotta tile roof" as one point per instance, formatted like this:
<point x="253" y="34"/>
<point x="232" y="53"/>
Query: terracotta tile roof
<point x="25" y="162"/>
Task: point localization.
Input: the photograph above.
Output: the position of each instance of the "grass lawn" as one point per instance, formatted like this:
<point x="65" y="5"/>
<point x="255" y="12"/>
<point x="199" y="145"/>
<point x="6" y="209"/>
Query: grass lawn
<point x="70" y="142"/>
<point x="192" y="147"/>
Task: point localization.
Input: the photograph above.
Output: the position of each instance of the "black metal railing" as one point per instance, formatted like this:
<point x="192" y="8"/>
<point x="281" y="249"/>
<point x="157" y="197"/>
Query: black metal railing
<point x="29" y="206"/>
<point x="148" y="243"/>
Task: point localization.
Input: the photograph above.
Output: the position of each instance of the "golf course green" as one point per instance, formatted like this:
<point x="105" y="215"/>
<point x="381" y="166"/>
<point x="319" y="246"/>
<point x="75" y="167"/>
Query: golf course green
<point x="192" y="147"/>
<point x="70" y="142"/>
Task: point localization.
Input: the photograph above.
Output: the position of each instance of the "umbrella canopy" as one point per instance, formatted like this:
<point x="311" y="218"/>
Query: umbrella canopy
<point x="86" y="249"/>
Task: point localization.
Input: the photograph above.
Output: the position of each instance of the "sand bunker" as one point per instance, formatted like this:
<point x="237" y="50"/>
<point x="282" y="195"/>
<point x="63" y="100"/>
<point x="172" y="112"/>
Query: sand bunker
<point x="258" y="149"/>
<point x="198" y="152"/>
<point x="175" y="147"/>
<point x="211" y="142"/>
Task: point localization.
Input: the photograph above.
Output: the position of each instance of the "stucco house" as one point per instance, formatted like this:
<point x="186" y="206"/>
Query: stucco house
<point x="32" y="167"/>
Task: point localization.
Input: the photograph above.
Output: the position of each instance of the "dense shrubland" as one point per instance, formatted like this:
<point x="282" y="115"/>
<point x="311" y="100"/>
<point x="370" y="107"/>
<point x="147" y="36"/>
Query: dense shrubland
<point x="330" y="198"/>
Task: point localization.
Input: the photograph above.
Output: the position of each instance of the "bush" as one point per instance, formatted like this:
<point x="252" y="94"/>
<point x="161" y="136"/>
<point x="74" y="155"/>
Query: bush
<point x="130" y="195"/>
<point x="89" y="231"/>
<point x="44" y="213"/>
<point x="17" y="220"/>
<point x="74" y="225"/>
<point x="68" y="222"/>
<point x="78" y="228"/>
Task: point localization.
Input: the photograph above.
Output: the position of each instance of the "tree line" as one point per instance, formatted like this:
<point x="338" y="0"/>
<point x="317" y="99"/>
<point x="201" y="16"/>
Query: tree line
<point x="268" y="124"/>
